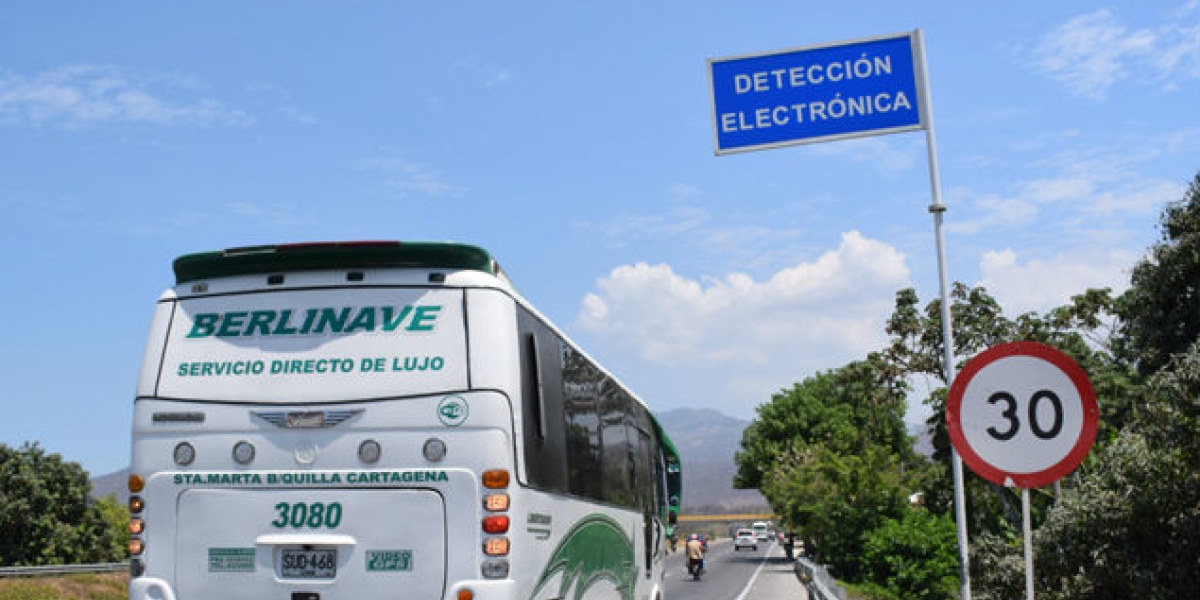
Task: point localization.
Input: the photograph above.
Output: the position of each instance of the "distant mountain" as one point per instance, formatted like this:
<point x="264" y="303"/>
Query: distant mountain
<point x="707" y="440"/>
<point x="115" y="483"/>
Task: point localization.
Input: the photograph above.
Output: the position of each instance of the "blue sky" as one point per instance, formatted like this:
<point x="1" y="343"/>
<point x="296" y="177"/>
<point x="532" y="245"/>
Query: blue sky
<point x="574" y="141"/>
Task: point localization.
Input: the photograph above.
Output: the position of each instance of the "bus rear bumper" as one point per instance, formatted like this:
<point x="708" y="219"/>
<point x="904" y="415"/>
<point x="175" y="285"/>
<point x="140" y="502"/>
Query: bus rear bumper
<point x="149" y="588"/>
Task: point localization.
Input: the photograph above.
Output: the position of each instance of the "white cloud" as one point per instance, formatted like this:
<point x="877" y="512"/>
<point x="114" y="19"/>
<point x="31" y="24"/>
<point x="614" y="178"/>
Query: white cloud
<point x="1043" y="284"/>
<point x="79" y="95"/>
<point x="886" y="154"/>
<point x="730" y="342"/>
<point x="741" y="239"/>
<point x="411" y="177"/>
<point x="1101" y="192"/>
<point x="1139" y="198"/>
<point x="678" y="219"/>
<point x="1093" y="52"/>
<point x="806" y="317"/>
<point x="991" y="212"/>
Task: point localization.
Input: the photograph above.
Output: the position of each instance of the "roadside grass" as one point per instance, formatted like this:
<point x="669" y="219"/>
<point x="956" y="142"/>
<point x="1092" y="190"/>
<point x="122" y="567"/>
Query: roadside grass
<point x="81" y="586"/>
<point x="854" y="592"/>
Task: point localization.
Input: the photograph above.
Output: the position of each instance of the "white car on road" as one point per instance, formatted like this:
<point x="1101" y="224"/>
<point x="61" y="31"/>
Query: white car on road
<point x="745" y="538"/>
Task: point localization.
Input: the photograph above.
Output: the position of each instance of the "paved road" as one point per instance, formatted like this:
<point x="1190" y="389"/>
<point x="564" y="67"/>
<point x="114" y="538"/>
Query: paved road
<point x="765" y="574"/>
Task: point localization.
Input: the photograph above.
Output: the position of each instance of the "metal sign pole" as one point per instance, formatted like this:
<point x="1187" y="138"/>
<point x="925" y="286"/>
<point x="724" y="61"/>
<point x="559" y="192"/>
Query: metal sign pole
<point x="756" y="107"/>
<point x="956" y="466"/>
<point x="1028" y="533"/>
<point x="938" y="209"/>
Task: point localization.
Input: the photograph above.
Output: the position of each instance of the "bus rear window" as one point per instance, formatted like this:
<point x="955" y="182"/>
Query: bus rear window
<point x="315" y="345"/>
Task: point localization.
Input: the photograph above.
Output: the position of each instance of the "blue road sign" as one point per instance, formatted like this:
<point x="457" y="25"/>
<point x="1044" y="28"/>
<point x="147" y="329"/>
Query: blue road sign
<point x="818" y="93"/>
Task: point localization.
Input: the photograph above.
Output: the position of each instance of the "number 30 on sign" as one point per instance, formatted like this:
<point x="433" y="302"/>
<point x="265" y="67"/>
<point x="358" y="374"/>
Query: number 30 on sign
<point x="1022" y="414"/>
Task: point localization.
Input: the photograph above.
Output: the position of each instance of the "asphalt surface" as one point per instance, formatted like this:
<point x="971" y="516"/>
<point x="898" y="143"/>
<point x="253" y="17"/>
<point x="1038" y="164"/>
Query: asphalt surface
<point x="765" y="574"/>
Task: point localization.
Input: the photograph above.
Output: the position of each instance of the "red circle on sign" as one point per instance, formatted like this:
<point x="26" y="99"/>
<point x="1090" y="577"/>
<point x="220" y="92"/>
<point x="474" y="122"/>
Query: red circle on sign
<point x="1078" y="451"/>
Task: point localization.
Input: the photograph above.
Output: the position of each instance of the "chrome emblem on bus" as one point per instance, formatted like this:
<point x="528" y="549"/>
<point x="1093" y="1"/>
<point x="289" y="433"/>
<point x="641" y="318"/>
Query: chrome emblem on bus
<point x="452" y="411"/>
<point x="315" y="419"/>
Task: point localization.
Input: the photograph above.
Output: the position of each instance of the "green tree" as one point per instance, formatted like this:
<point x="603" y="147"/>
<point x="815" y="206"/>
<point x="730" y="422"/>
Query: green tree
<point x="1129" y="527"/>
<point x="1083" y="329"/>
<point x="846" y="410"/>
<point x="912" y="558"/>
<point x="46" y="514"/>
<point x="832" y="455"/>
<point x="1161" y="310"/>
<point x="836" y="499"/>
<point x="1132" y="529"/>
<point x="112" y="534"/>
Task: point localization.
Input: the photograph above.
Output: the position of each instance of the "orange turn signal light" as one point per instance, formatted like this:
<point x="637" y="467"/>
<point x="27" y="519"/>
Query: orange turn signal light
<point x="495" y="546"/>
<point x="495" y="479"/>
<point x="496" y="502"/>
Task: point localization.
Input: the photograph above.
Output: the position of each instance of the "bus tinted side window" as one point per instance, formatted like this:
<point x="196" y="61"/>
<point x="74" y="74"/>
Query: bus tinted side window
<point x="542" y="414"/>
<point x="618" y="469"/>
<point x="581" y="395"/>
<point x="583" y="434"/>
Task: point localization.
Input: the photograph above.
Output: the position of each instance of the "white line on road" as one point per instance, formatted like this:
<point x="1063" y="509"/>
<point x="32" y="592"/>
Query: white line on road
<point x="762" y="563"/>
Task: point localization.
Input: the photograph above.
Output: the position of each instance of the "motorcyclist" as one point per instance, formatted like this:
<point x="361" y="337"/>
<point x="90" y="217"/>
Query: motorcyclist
<point x="695" y="555"/>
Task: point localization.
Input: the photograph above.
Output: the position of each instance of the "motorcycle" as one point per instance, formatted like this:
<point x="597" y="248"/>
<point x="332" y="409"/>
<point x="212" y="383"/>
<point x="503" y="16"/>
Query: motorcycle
<point x="695" y="567"/>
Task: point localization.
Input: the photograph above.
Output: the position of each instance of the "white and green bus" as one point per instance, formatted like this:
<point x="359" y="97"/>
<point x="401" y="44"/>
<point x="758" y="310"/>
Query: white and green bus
<point x="363" y="420"/>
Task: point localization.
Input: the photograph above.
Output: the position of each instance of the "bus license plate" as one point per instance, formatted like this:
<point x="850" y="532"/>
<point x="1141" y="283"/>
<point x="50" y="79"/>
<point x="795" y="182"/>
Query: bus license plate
<point x="309" y="564"/>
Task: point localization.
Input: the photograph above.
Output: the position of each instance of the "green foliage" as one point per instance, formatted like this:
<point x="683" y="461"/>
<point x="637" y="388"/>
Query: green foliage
<point x="112" y="537"/>
<point x="912" y="558"/>
<point x="1161" y="310"/>
<point x="1125" y="525"/>
<point x="1132" y="527"/>
<point x="46" y="514"/>
<point x="1129" y="530"/>
<point x="1084" y="329"/>
<point x="1129" y="526"/>
<point x="831" y="456"/>
<point x="847" y="410"/>
<point x="1124" y="530"/>
<point x="833" y="499"/>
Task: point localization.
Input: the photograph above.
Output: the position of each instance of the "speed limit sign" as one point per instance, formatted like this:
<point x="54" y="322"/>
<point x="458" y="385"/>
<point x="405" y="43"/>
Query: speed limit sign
<point x="1023" y="414"/>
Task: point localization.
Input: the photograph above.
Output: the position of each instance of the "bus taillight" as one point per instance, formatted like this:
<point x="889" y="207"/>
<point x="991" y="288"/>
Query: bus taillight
<point x="495" y="502"/>
<point x="496" y="524"/>
<point x="137" y="525"/>
<point x="496" y="546"/>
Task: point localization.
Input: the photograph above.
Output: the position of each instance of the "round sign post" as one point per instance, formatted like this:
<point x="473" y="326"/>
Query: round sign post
<point x="1022" y="414"/>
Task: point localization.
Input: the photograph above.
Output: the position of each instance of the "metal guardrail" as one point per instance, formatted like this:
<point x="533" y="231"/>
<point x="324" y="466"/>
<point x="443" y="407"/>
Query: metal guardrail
<point x="41" y="570"/>
<point x="818" y="581"/>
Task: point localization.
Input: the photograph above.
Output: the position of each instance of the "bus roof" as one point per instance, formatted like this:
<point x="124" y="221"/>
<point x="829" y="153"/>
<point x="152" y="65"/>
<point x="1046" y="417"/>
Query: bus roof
<point x="253" y="260"/>
<point x="669" y="449"/>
